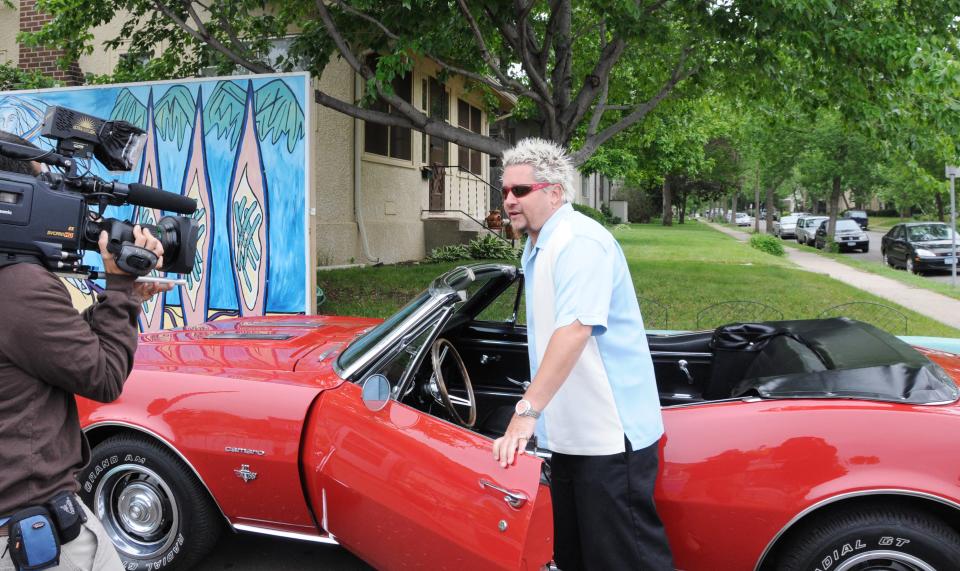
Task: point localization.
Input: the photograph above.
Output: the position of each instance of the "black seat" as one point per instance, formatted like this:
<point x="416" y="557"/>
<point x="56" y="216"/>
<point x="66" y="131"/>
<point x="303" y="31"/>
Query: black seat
<point x="698" y="342"/>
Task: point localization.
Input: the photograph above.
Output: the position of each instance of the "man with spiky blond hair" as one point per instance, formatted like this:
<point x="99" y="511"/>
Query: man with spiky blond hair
<point x="593" y="398"/>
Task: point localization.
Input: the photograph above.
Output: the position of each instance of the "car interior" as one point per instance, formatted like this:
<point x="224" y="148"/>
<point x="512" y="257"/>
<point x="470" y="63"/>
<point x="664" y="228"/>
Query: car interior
<point x="471" y="366"/>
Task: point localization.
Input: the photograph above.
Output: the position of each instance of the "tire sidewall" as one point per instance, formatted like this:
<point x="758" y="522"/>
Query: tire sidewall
<point x="839" y="549"/>
<point x="110" y="455"/>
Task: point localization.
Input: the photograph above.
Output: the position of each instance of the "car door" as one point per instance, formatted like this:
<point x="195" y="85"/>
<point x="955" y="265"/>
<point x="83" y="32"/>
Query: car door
<point x="900" y="248"/>
<point x="405" y="490"/>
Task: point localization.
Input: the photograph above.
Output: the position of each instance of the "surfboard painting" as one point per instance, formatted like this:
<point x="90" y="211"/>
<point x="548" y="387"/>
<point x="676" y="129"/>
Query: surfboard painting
<point x="151" y="312"/>
<point x="237" y="146"/>
<point x="196" y="185"/>
<point x="248" y="217"/>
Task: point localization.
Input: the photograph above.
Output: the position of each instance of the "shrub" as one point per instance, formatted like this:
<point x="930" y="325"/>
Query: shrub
<point x="489" y="247"/>
<point x="591" y="212"/>
<point x="767" y="243"/>
<point x="449" y="253"/>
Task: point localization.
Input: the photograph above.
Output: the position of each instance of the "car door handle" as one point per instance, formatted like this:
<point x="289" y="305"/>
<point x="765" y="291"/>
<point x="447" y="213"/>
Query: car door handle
<point x="514" y="499"/>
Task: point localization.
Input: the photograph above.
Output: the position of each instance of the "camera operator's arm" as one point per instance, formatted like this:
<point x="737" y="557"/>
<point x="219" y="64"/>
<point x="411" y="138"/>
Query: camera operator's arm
<point x="47" y="339"/>
<point x="90" y="356"/>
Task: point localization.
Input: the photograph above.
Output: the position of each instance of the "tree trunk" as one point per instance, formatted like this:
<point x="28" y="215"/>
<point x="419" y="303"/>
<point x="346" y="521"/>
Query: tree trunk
<point x="769" y="206"/>
<point x="833" y="207"/>
<point x="939" y="199"/>
<point x="733" y="209"/>
<point x="756" y="204"/>
<point x="682" y="206"/>
<point x="667" y="202"/>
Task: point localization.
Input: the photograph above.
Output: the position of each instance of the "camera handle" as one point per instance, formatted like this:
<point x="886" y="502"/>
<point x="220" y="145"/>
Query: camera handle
<point x="132" y="259"/>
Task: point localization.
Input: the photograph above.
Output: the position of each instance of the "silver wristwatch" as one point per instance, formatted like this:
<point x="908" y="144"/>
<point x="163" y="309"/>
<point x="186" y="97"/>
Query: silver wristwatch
<point x="524" y="408"/>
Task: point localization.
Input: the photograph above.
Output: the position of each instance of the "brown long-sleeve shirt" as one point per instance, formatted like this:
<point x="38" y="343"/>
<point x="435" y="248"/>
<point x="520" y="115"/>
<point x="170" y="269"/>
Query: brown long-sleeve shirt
<point x="48" y="354"/>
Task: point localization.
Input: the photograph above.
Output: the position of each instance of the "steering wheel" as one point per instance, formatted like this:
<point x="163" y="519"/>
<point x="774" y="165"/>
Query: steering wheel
<point x="439" y="351"/>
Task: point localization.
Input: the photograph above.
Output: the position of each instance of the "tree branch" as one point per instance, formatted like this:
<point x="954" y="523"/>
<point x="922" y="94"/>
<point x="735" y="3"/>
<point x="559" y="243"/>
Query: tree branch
<point x="205" y="37"/>
<point x="602" y="102"/>
<point x="432" y="127"/>
<point x="639" y="112"/>
<point x="351" y="10"/>
<point x="609" y="56"/>
<point x="488" y="58"/>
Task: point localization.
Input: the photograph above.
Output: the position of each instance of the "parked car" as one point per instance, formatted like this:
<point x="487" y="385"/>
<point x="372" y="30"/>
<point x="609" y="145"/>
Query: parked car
<point x="919" y="246"/>
<point x="848" y="235"/>
<point x="807" y="228"/>
<point x="786" y="227"/>
<point x="859" y="215"/>
<point x="743" y="219"/>
<point x="377" y="435"/>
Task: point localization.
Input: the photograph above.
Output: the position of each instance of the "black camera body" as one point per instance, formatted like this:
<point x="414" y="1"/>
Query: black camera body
<point x="53" y="217"/>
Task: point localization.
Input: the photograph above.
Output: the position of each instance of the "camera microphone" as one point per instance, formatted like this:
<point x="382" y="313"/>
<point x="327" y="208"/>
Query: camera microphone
<point x="155" y="198"/>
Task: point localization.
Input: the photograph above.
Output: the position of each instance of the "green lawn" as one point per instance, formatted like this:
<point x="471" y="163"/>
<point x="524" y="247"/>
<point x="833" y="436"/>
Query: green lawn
<point x="678" y="271"/>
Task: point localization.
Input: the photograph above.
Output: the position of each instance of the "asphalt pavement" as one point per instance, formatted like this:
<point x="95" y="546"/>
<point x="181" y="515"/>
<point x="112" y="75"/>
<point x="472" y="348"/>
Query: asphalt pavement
<point x="248" y="552"/>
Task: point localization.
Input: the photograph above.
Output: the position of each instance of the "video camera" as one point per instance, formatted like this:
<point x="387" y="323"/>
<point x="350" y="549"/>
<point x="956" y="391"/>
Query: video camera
<point x="54" y="216"/>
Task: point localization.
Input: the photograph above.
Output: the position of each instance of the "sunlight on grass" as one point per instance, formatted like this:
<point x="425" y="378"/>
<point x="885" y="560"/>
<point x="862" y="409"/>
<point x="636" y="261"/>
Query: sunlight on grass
<point x="684" y="268"/>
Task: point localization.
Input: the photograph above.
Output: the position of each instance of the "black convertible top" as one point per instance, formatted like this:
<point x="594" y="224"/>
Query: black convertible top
<point x="823" y="358"/>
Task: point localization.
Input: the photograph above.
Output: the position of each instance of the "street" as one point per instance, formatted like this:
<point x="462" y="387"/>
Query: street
<point x="247" y="552"/>
<point x="874" y="255"/>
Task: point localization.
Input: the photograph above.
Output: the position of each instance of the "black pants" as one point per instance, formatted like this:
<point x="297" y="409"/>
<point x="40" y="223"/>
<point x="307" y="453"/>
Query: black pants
<point x="603" y="512"/>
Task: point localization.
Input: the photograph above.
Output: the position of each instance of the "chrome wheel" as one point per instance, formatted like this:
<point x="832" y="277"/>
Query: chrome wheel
<point x="138" y="510"/>
<point x="885" y="561"/>
<point x="909" y="266"/>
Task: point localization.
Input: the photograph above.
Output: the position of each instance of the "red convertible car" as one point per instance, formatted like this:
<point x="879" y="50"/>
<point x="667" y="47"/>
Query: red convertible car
<point x="815" y="445"/>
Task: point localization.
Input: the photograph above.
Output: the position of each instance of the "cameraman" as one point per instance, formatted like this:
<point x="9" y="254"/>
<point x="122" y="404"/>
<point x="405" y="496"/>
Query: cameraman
<point x="48" y="354"/>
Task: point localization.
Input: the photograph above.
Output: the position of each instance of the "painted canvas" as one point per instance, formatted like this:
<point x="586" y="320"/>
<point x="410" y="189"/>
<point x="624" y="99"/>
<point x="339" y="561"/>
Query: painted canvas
<point x="237" y="146"/>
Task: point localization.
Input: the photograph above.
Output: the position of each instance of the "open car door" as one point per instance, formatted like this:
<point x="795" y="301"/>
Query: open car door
<point x="405" y="490"/>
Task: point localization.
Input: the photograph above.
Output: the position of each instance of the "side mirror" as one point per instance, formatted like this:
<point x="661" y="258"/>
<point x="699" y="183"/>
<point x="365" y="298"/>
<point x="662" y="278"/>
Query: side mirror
<point x="376" y="392"/>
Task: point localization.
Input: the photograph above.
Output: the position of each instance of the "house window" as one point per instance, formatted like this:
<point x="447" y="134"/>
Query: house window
<point x="394" y="142"/>
<point x="468" y="117"/>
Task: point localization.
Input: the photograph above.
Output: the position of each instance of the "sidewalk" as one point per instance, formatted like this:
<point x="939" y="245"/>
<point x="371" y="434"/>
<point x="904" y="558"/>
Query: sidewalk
<point x="938" y="307"/>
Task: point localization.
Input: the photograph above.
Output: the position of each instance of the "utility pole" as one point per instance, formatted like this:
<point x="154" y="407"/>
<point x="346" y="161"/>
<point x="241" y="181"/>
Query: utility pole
<point x="952" y="174"/>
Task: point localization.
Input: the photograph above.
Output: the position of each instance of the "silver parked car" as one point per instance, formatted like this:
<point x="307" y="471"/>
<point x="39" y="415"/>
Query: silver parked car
<point x="786" y="227"/>
<point x="848" y="235"/>
<point x="807" y="228"/>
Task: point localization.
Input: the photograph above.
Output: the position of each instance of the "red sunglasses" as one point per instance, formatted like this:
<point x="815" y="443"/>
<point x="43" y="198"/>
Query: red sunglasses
<point x="521" y="190"/>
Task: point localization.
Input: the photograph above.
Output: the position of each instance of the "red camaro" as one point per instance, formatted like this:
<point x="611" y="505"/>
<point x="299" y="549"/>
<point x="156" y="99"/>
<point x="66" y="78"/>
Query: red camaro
<point x="822" y="444"/>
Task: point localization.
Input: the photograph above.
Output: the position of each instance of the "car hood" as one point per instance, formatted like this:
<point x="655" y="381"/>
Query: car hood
<point x="276" y="343"/>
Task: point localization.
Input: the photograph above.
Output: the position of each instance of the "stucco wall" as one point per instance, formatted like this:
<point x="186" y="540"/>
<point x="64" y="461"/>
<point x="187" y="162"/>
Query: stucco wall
<point x="9" y="26"/>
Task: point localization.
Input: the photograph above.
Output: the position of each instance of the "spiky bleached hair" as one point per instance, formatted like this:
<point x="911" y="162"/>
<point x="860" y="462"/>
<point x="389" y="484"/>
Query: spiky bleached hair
<point x="550" y="163"/>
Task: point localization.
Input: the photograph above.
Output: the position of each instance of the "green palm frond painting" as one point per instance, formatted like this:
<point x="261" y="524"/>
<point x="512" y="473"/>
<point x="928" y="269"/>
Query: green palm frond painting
<point x="174" y="114"/>
<point x="278" y="113"/>
<point x="224" y="111"/>
<point x="128" y="108"/>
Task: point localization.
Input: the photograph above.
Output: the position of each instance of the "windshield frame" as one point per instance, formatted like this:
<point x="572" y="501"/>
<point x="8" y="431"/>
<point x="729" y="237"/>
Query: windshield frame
<point x="367" y="348"/>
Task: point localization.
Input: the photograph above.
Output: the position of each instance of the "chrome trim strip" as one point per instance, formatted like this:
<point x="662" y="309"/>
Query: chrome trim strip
<point x="844" y="496"/>
<point x="286" y="534"/>
<point x="498" y="394"/>
<point x="168" y="445"/>
<point x="495" y="343"/>
<point x="679" y="354"/>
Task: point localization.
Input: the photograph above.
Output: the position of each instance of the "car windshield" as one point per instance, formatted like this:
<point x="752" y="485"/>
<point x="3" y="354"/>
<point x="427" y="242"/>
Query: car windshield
<point x="465" y="281"/>
<point x="375" y="335"/>
<point x="810" y="222"/>
<point x="929" y="232"/>
<point x="847" y="225"/>
<point x="857" y="213"/>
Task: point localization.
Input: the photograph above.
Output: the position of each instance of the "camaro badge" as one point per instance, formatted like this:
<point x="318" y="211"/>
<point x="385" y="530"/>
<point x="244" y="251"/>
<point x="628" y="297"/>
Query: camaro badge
<point x="245" y="474"/>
